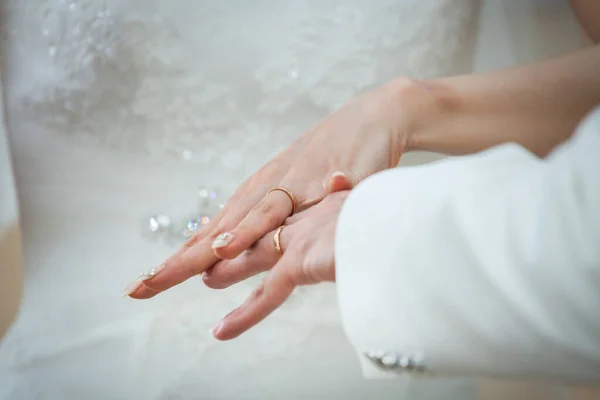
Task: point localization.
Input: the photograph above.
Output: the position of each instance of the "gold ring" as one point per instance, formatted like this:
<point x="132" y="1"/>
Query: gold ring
<point x="289" y="194"/>
<point x="277" y="240"/>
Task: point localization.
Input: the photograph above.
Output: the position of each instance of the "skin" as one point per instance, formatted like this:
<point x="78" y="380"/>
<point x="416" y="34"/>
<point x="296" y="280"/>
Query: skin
<point x="537" y="106"/>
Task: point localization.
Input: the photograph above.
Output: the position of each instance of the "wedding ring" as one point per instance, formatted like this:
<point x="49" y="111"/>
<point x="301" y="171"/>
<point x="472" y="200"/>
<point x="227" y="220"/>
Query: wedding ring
<point x="289" y="194"/>
<point x="277" y="240"/>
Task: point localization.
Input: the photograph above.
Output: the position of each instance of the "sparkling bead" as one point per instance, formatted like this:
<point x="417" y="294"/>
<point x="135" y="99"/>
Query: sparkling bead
<point x="404" y="362"/>
<point x="173" y="232"/>
<point x="195" y="224"/>
<point x="148" y="274"/>
<point x="375" y="354"/>
<point x="389" y="360"/>
<point x="158" y="222"/>
<point x="206" y="194"/>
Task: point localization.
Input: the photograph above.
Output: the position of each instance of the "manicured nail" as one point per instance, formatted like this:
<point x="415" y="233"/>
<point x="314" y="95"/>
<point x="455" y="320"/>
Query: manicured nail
<point x="222" y="240"/>
<point x="132" y="287"/>
<point x="135" y="285"/>
<point x="215" y="329"/>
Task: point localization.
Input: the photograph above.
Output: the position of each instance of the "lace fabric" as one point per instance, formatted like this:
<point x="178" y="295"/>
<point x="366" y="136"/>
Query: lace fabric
<point x="219" y="80"/>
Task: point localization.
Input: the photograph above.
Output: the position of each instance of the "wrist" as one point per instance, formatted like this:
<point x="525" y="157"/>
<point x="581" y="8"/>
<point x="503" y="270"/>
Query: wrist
<point x="422" y="108"/>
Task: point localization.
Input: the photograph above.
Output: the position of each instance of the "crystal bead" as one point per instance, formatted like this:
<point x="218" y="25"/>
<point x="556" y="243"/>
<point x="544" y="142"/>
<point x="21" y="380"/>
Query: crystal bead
<point x="375" y="354"/>
<point x="206" y="194"/>
<point x="404" y="362"/>
<point x="389" y="360"/>
<point x="158" y="222"/>
<point x="173" y="231"/>
<point x="195" y="224"/>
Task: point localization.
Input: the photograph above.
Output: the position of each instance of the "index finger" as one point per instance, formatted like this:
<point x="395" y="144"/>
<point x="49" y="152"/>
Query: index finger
<point x="195" y="257"/>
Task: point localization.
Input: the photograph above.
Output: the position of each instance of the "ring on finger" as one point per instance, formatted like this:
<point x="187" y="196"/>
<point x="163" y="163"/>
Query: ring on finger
<point x="289" y="194"/>
<point x="277" y="240"/>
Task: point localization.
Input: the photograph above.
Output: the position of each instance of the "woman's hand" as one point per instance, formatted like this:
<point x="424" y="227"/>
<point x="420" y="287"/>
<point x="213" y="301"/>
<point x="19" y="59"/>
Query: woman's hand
<point x="307" y="244"/>
<point x="367" y="135"/>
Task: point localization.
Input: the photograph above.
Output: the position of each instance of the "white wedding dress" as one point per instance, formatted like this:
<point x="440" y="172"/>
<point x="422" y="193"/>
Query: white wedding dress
<point x="119" y="110"/>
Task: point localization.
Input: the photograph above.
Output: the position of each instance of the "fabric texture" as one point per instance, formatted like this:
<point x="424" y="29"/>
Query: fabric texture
<point x="486" y="265"/>
<point x="118" y="110"/>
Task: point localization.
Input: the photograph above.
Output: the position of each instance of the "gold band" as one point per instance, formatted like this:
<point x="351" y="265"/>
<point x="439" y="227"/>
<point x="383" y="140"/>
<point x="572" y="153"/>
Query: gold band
<point x="289" y="194"/>
<point x="277" y="240"/>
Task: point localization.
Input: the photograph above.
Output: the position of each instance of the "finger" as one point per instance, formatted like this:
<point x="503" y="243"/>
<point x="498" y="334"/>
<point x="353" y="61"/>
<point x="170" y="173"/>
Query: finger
<point x="340" y="181"/>
<point x="259" y="258"/>
<point x="194" y="258"/>
<point x="214" y="221"/>
<point x="271" y="293"/>
<point x="175" y="271"/>
<point x="180" y="266"/>
<point x="266" y="216"/>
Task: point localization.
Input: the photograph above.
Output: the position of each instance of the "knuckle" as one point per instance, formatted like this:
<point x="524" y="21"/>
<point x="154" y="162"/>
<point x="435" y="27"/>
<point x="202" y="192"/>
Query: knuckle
<point x="259" y="291"/>
<point x="215" y="231"/>
<point x="265" y="207"/>
<point x="195" y="238"/>
<point x="271" y="220"/>
<point x="291" y="277"/>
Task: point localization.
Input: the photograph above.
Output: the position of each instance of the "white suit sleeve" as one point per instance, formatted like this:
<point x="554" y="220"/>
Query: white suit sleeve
<point x="486" y="265"/>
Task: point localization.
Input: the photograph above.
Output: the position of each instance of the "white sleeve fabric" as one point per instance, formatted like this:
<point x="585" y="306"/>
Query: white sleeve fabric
<point x="486" y="265"/>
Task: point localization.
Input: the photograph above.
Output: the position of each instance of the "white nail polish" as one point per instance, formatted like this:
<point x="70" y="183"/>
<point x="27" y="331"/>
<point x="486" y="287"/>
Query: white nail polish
<point x="132" y="287"/>
<point x="222" y="240"/>
<point x="216" y="328"/>
<point x="135" y="285"/>
<point x="149" y="274"/>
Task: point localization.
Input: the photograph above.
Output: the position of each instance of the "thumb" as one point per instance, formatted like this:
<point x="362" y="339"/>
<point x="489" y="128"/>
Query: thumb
<point x="339" y="181"/>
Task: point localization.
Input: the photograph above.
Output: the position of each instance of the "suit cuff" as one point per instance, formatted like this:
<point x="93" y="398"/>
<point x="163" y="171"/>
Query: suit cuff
<point x="405" y="289"/>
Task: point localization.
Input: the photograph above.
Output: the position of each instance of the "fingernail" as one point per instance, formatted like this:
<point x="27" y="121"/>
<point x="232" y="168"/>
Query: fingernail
<point x="135" y="285"/>
<point x="338" y="173"/>
<point x="132" y="287"/>
<point x="215" y="329"/>
<point x="222" y="240"/>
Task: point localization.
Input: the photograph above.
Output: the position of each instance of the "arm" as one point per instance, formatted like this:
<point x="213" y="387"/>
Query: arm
<point x="483" y="265"/>
<point x="537" y="106"/>
<point x="588" y="12"/>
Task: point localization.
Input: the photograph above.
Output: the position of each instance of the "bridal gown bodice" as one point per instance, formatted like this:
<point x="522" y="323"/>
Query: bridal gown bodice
<point x="118" y="110"/>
